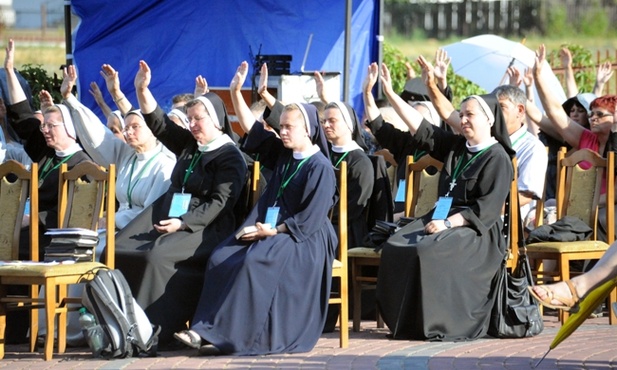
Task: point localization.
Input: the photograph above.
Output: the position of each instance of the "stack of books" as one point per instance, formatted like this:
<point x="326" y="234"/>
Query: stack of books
<point x="71" y="244"/>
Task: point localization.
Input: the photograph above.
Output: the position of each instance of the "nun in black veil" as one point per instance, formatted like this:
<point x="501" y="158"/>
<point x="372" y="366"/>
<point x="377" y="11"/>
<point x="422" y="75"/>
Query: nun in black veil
<point x="436" y="273"/>
<point x="267" y="292"/>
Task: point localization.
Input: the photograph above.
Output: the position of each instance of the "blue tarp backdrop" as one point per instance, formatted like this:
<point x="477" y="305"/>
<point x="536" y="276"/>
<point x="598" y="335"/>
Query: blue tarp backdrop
<point x="181" y="39"/>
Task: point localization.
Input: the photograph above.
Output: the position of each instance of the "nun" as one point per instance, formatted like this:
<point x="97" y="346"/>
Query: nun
<point x="164" y="250"/>
<point x="436" y="275"/>
<point x="258" y="285"/>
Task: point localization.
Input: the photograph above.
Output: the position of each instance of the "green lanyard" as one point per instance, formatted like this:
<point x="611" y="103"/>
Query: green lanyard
<point x="340" y="159"/>
<point x="519" y="138"/>
<point x="46" y="170"/>
<point x="286" y="182"/>
<point x="129" y="190"/>
<point x="417" y="154"/>
<point x="458" y="170"/>
<point x="189" y="170"/>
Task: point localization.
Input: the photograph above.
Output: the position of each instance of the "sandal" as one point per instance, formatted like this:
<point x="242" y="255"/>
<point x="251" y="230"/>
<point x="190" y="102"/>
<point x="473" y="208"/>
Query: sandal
<point x="189" y="338"/>
<point x="567" y="304"/>
<point x="209" y="350"/>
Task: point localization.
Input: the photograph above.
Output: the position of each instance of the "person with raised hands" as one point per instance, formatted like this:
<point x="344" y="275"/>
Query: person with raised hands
<point x="163" y="252"/>
<point x="459" y="245"/>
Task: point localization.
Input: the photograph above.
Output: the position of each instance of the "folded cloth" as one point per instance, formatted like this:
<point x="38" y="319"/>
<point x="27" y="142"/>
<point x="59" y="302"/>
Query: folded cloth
<point x="566" y="229"/>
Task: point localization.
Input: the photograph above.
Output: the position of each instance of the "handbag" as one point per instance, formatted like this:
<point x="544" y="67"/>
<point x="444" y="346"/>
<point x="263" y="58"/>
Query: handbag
<point x="515" y="313"/>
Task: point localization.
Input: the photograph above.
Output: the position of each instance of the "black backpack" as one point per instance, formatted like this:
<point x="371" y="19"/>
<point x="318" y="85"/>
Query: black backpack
<point x="127" y="329"/>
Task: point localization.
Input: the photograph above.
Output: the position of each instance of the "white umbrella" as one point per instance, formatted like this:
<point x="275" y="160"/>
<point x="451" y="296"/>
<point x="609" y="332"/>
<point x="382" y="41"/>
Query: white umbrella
<point x="485" y="59"/>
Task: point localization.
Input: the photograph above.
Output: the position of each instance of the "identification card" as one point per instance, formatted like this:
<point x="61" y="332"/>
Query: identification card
<point x="27" y="207"/>
<point x="400" y="191"/>
<point x="272" y="216"/>
<point x="442" y="208"/>
<point x="179" y="204"/>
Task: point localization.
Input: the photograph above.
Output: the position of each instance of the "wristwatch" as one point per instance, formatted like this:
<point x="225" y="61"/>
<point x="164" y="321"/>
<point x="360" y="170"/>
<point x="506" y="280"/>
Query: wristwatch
<point x="447" y="223"/>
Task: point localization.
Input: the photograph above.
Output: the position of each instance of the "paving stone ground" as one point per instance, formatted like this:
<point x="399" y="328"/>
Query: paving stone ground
<point x="592" y="346"/>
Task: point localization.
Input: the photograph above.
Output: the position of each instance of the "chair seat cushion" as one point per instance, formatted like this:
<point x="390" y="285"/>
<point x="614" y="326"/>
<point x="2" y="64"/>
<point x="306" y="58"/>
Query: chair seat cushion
<point x="363" y="252"/>
<point x="568" y="247"/>
<point x="46" y="270"/>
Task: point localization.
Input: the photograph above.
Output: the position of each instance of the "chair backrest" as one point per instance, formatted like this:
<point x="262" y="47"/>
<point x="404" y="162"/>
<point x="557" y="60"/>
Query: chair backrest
<point x="85" y="193"/>
<point x="422" y="185"/>
<point x="254" y="188"/>
<point x="579" y="189"/>
<point x="18" y="186"/>
<point x="341" y="181"/>
<point x="250" y="193"/>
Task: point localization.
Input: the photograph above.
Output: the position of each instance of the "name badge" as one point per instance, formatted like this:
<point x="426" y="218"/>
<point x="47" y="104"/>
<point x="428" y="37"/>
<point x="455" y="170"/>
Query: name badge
<point x="400" y="191"/>
<point x="179" y="204"/>
<point x="272" y="216"/>
<point x="27" y="207"/>
<point x="442" y="208"/>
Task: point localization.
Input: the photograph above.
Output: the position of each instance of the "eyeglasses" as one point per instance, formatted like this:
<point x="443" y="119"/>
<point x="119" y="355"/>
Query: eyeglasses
<point x="131" y="127"/>
<point x="48" y="126"/>
<point x="598" y="114"/>
<point x="195" y="119"/>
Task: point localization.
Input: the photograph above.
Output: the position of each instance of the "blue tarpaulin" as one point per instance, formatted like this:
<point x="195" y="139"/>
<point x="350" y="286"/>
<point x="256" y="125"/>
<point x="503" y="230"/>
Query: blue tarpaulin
<point x="181" y="39"/>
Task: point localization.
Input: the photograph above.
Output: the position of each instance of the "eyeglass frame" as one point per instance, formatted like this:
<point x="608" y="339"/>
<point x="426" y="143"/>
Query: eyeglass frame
<point x="597" y="114"/>
<point x="196" y="119"/>
<point x="49" y="126"/>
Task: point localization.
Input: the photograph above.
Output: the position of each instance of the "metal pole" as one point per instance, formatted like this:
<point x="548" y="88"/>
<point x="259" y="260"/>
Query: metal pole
<point x="68" y="37"/>
<point x="348" y="14"/>
<point x="380" y="39"/>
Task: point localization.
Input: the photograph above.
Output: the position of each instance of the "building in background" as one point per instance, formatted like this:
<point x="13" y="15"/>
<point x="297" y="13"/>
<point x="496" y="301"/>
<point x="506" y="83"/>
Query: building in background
<point x="37" y="14"/>
<point x="7" y="13"/>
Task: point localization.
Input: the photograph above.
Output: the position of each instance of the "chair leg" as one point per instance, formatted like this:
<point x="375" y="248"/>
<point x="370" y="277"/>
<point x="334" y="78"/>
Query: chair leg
<point x="34" y="318"/>
<point x="2" y="320"/>
<point x="357" y="295"/>
<point x="612" y="318"/>
<point x="380" y="323"/>
<point x="50" y="309"/>
<point x="344" y="315"/>
<point x="564" y="271"/>
<point x="62" y="317"/>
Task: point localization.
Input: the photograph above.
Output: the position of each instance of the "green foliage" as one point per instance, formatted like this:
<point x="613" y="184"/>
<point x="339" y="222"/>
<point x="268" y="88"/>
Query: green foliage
<point x="594" y="22"/>
<point x="582" y="63"/>
<point x="557" y="22"/>
<point x="462" y="87"/>
<point x="395" y="60"/>
<point x="39" y="80"/>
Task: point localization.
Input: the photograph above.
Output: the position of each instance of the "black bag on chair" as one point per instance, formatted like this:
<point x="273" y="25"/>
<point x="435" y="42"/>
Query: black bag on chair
<point x="515" y="313"/>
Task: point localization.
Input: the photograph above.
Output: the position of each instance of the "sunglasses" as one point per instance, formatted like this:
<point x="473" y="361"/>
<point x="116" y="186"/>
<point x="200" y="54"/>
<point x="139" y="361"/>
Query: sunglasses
<point x="598" y="114"/>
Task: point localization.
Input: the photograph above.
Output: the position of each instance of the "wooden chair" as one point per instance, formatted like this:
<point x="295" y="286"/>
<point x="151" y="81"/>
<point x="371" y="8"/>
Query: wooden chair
<point x="420" y="197"/>
<point x="578" y="194"/>
<point x="254" y="188"/>
<point x="80" y="204"/>
<point x="340" y="264"/>
<point x="513" y="220"/>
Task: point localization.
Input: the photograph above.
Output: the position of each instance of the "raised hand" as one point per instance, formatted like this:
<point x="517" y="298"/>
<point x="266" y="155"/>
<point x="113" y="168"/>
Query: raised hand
<point x="410" y="71"/>
<point x="428" y="72"/>
<point x="263" y="79"/>
<point x="320" y="86"/>
<point x="95" y="92"/>
<point x="143" y="76"/>
<point x="528" y="77"/>
<point x="386" y="79"/>
<point x="239" y="77"/>
<point x="540" y="58"/>
<point x="604" y="72"/>
<point x="442" y="61"/>
<point x="515" y="76"/>
<point x="69" y="79"/>
<point x="371" y="78"/>
<point x="10" y="56"/>
<point x="112" y="79"/>
<point x="566" y="57"/>
<point x="45" y="99"/>
<point x="201" y="86"/>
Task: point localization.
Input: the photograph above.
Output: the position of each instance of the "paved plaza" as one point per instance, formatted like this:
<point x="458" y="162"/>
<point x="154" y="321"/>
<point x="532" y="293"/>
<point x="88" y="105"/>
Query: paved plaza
<point x="592" y="346"/>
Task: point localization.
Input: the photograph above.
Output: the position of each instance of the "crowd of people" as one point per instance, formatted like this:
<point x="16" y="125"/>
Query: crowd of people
<point x="181" y="175"/>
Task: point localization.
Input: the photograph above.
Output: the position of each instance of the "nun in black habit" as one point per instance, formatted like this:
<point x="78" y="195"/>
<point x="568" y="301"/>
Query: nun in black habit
<point x="436" y="273"/>
<point x="268" y="291"/>
<point x="163" y="251"/>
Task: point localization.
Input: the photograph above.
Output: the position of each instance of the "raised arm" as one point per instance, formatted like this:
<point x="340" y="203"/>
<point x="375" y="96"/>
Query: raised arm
<point x="112" y="81"/>
<point x="370" y="107"/>
<point x="321" y="91"/>
<point x="569" y="130"/>
<point x="98" y="98"/>
<point x="444" y="107"/>
<point x="408" y="114"/>
<point x="243" y="111"/>
<point x="262" y="87"/>
<point x="147" y="103"/>
<point x="442" y="61"/>
<point x="16" y="92"/>
<point x="566" y="63"/>
<point x="603" y="74"/>
<point x="201" y="86"/>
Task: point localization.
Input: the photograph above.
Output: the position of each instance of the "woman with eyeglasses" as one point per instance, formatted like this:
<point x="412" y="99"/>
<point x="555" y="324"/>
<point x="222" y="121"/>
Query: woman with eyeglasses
<point x="163" y="252"/>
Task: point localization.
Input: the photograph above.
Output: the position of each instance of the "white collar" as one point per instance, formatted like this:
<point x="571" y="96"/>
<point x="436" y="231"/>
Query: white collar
<point x="215" y="144"/>
<point x="150" y="153"/>
<point x="74" y="148"/>
<point x="516" y="135"/>
<point x="476" y="148"/>
<point x="352" y="145"/>
<point x="301" y="155"/>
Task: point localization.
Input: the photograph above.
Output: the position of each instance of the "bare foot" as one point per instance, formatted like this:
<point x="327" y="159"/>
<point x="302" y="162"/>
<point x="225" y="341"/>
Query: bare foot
<point x="561" y="295"/>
